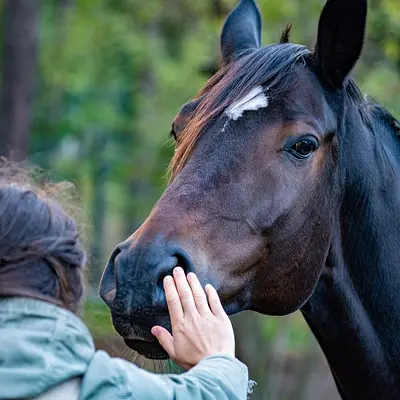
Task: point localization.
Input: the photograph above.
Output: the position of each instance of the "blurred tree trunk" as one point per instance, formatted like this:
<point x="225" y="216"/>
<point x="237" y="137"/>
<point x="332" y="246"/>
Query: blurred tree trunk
<point x="99" y="173"/>
<point x="139" y="188"/>
<point x="60" y="33"/>
<point x="19" y="67"/>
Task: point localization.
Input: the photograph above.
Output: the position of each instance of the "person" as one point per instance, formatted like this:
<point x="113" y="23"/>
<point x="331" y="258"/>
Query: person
<point x="47" y="352"/>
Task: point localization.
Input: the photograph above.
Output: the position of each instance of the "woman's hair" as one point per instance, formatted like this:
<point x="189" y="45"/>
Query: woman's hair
<point x="41" y="254"/>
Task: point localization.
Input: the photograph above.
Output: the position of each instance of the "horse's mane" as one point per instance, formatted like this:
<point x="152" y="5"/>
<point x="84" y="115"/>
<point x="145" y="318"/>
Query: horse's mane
<point x="271" y="67"/>
<point x="380" y="113"/>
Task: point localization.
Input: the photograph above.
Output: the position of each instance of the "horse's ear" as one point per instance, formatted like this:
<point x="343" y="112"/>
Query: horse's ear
<point x="241" y="31"/>
<point x="340" y="39"/>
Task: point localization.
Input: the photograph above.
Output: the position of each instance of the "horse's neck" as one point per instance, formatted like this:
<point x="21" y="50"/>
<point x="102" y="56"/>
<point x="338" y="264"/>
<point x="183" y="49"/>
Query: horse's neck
<point x="355" y="309"/>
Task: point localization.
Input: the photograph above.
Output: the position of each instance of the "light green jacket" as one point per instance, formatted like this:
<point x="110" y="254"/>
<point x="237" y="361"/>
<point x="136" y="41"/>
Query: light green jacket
<point x="42" y="345"/>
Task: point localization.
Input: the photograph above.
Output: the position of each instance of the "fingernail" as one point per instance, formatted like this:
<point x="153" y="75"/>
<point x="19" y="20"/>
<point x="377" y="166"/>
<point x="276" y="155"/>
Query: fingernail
<point x="168" y="279"/>
<point x="178" y="270"/>
<point x="191" y="275"/>
<point x="154" y="331"/>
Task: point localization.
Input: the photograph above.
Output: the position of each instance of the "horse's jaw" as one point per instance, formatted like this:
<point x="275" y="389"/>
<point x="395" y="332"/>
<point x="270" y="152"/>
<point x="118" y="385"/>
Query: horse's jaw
<point x="150" y="350"/>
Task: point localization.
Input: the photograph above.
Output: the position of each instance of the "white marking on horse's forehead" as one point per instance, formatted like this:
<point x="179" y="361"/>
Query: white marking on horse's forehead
<point x="253" y="101"/>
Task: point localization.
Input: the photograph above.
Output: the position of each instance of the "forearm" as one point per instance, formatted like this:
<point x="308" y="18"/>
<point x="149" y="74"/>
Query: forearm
<point x="223" y="372"/>
<point x="214" y="378"/>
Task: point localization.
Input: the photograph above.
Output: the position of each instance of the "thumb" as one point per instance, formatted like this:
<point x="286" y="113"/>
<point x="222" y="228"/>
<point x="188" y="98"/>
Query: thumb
<point x="165" y="339"/>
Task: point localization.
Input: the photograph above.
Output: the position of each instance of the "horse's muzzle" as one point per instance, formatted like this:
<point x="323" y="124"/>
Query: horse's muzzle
<point x="132" y="287"/>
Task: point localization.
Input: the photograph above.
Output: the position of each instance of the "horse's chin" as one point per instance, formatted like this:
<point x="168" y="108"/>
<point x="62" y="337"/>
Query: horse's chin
<point x="150" y="350"/>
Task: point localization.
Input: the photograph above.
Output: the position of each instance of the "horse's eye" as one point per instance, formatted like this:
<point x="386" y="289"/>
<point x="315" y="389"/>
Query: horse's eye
<point x="304" y="148"/>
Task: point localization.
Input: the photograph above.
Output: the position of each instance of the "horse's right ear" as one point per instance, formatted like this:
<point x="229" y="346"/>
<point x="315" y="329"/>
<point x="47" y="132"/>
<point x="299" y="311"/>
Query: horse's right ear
<point x="241" y="31"/>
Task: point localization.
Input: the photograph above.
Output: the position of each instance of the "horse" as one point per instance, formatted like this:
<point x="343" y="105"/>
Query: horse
<point x="284" y="194"/>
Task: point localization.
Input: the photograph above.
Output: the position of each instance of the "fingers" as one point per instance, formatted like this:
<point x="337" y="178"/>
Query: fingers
<point x="199" y="295"/>
<point x="184" y="291"/>
<point x="215" y="302"/>
<point x="165" y="339"/>
<point x="173" y="301"/>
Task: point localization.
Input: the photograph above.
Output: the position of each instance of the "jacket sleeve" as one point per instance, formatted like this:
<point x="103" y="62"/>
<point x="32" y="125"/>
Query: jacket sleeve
<point x="214" y="378"/>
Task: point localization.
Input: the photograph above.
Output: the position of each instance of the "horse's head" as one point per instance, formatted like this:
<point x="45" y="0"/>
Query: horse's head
<point x="255" y="178"/>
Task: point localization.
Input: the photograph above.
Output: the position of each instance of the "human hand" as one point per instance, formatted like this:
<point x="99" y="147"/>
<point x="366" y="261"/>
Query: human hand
<point x="199" y="330"/>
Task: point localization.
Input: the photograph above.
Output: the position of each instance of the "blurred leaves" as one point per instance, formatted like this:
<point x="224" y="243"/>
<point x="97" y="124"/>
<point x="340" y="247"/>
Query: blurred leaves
<point x="97" y="318"/>
<point x="113" y="74"/>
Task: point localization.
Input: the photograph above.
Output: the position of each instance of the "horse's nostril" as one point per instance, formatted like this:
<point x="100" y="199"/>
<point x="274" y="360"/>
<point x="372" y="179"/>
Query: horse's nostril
<point x="185" y="262"/>
<point x="108" y="283"/>
<point x="179" y="259"/>
<point x="114" y="255"/>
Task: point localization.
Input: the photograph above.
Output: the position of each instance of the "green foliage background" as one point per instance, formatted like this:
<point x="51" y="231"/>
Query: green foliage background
<point x="112" y="75"/>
